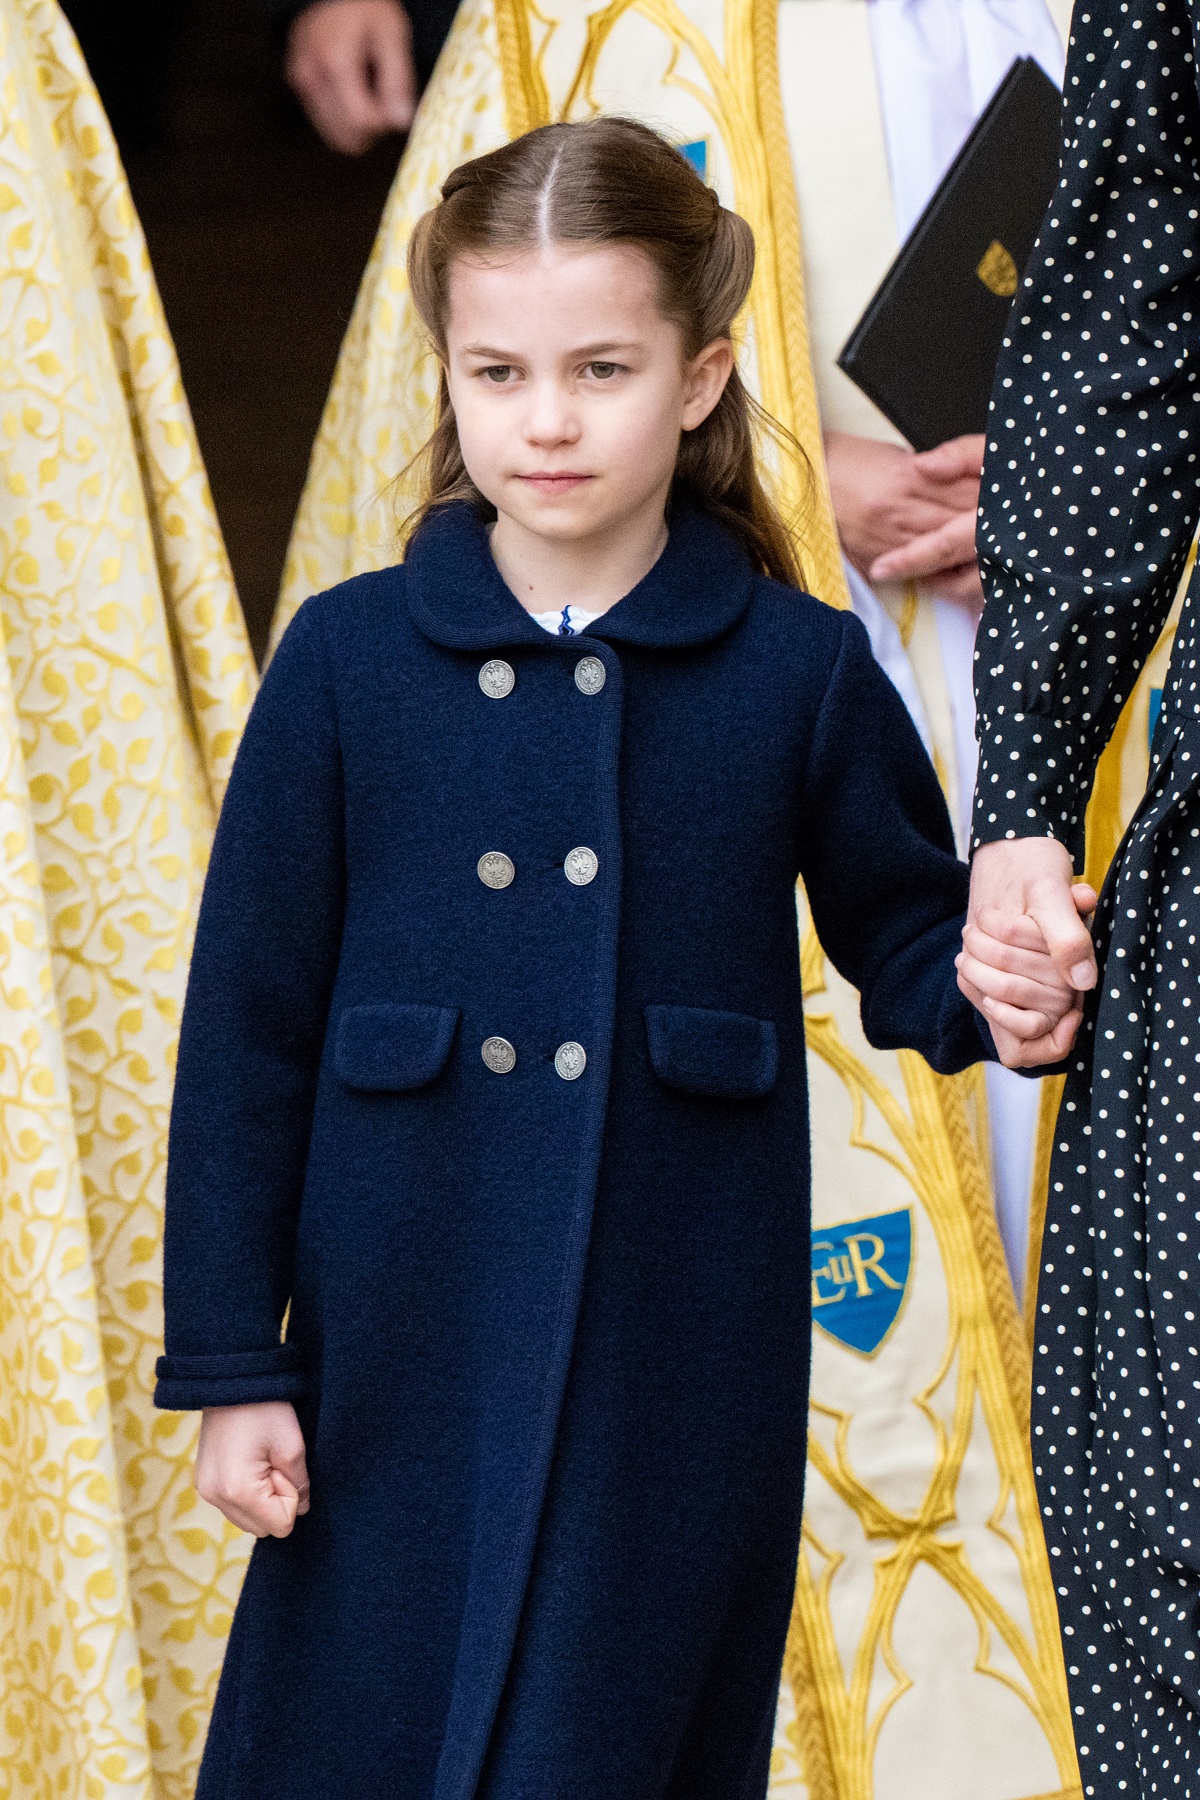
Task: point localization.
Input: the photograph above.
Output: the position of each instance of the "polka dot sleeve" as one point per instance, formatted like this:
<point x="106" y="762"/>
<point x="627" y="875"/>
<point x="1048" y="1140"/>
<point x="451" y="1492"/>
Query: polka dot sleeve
<point x="1091" y="484"/>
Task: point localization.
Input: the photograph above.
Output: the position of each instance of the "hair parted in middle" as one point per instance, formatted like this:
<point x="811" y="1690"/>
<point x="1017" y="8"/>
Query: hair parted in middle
<point x="611" y="181"/>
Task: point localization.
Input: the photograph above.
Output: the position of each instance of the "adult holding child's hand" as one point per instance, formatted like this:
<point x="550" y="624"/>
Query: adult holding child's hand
<point x="1024" y="898"/>
<point x="1090" y="503"/>
<point x="1033" y="1011"/>
<point x="1032" y="878"/>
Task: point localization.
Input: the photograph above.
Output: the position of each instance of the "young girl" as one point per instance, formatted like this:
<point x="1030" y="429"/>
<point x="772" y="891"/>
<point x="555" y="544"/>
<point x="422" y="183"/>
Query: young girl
<point x="492" y="1077"/>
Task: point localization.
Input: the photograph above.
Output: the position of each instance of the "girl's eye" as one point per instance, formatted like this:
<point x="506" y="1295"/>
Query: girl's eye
<point x="603" y="371"/>
<point x="499" y="372"/>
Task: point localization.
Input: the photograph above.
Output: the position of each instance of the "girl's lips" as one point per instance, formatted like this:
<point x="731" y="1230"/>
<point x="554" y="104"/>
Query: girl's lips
<point x="554" y="484"/>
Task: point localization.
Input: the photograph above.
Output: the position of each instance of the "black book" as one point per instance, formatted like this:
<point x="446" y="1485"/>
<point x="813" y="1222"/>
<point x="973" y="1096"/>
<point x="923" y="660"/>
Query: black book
<point x="925" y="350"/>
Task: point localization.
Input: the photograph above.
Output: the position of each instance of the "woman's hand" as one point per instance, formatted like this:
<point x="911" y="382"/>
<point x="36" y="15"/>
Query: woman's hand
<point x="1032" y="877"/>
<point x="1006" y="971"/>
<point x="250" y="1465"/>
<point x="902" y="516"/>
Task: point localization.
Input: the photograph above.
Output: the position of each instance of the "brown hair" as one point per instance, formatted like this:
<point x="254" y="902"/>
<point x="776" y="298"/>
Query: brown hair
<point x="611" y="181"/>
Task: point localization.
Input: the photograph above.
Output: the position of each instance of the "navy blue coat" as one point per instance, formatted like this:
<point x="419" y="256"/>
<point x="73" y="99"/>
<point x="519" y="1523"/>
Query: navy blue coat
<point x="548" y="1338"/>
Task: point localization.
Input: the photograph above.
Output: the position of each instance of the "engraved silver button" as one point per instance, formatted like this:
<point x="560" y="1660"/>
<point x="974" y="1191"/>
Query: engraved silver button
<point x="499" y="1055"/>
<point x="494" y="869"/>
<point x="497" y="679"/>
<point x="581" y="866"/>
<point x="590" y="675"/>
<point x="570" y="1060"/>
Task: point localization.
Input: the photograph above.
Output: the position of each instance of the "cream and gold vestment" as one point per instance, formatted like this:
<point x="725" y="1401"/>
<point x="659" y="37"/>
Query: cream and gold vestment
<point x="124" y="684"/>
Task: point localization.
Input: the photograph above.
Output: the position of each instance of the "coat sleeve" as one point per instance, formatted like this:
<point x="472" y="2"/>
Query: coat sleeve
<point x="262" y="972"/>
<point x="887" y="891"/>
<point x="1091" y="483"/>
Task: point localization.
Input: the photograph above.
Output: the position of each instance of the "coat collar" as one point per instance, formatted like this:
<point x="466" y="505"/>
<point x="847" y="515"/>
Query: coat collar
<point x="697" y="590"/>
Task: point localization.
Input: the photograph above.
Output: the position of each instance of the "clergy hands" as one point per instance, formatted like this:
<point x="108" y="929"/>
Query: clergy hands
<point x="901" y="516"/>
<point x="351" y="64"/>
<point x="250" y="1465"/>
<point x="1027" y="957"/>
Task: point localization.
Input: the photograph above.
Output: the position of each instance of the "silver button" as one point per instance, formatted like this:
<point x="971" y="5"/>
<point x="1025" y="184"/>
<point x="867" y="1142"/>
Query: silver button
<point x="570" y="1060"/>
<point x="497" y="679"/>
<point x="499" y="1055"/>
<point x="494" y="869"/>
<point x="590" y="675"/>
<point x="581" y="866"/>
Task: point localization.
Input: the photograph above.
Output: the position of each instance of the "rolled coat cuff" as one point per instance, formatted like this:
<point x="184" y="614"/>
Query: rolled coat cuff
<point x="1034" y="781"/>
<point x="243" y="1378"/>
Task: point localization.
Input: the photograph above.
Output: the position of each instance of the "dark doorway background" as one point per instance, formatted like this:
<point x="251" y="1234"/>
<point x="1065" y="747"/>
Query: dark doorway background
<point x="258" y="235"/>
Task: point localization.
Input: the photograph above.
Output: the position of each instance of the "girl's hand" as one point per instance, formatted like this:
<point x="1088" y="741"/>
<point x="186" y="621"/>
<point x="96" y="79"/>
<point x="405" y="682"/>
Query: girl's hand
<point x="250" y="1465"/>
<point x="1006" y="971"/>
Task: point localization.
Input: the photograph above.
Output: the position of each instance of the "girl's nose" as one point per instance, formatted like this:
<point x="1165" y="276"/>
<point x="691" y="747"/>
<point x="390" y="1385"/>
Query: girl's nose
<point x="552" y="417"/>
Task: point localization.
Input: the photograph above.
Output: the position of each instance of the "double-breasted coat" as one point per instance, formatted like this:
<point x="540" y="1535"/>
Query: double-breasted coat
<point x="520" y="1137"/>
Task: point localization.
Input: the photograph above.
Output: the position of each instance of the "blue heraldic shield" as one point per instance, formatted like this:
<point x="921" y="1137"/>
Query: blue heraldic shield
<point x="860" y="1278"/>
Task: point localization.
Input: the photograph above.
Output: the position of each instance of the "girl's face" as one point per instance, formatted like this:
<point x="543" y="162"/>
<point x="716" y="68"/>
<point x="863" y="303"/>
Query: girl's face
<point x="570" y="388"/>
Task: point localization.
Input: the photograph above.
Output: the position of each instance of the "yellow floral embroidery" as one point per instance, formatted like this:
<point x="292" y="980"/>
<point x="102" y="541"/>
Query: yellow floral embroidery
<point x="126" y="681"/>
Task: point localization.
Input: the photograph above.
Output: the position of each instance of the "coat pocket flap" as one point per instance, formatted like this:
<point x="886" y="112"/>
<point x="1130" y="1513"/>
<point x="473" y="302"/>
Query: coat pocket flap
<point x="390" y="1049"/>
<point x="728" y="1055"/>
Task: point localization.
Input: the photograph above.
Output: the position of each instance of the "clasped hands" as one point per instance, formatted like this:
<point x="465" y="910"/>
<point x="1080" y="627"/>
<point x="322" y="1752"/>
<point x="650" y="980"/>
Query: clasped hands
<point x="1027" y="959"/>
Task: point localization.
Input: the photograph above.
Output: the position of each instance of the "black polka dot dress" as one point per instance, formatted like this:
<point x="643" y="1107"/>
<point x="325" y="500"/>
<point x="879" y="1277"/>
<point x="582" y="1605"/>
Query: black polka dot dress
<point x="1090" y="499"/>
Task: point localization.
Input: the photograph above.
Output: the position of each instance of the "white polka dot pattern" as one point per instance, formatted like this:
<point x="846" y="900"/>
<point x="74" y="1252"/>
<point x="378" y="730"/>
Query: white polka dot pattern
<point x="1116" y="1405"/>
<point x="1092" y="481"/>
<point x="1090" y="500"/>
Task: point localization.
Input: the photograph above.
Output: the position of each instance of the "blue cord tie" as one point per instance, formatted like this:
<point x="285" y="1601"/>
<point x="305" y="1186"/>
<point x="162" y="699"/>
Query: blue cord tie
<point x="565" y="628"/>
